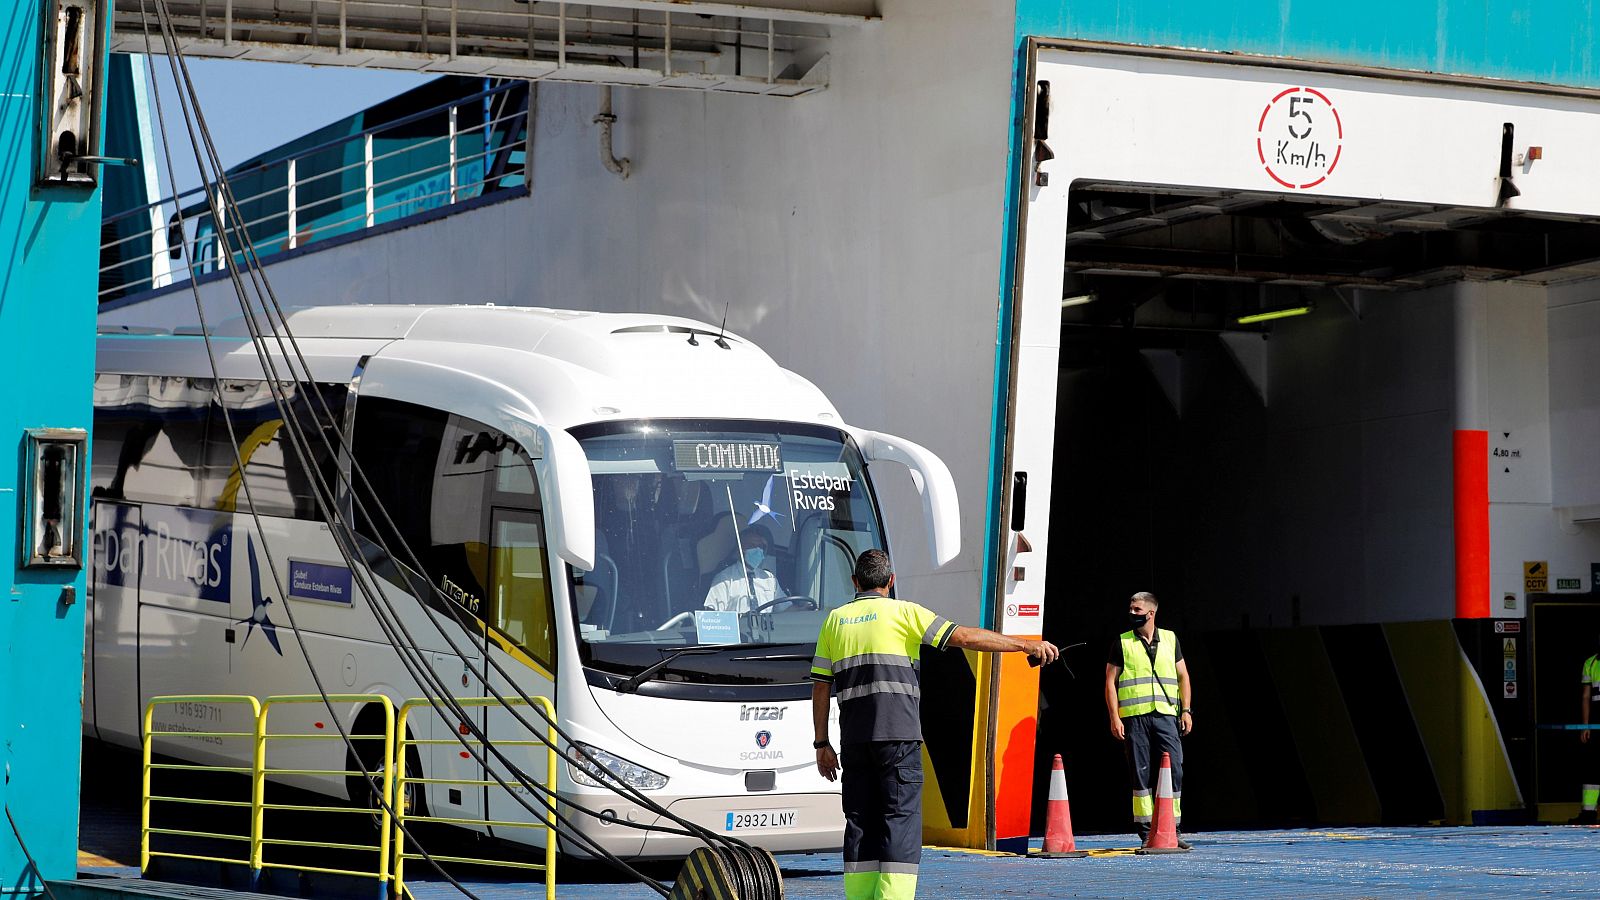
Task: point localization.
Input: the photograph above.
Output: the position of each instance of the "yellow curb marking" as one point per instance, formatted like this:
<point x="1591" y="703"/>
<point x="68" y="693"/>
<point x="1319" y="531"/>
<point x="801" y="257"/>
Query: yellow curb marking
<point x="96" y="861"/>
<point x="967" y="850"/>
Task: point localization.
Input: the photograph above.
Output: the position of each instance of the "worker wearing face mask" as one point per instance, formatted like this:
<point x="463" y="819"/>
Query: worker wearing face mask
<point x="1148" y="696"/>
<point x="748" y="583"/>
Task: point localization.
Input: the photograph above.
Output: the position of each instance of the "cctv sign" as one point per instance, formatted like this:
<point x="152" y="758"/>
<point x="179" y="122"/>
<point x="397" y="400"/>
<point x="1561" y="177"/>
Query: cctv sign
<point x="1299" y="138"/>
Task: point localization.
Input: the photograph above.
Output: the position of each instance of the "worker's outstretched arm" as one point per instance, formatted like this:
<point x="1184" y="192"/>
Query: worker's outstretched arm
<point x="969" y="638"/>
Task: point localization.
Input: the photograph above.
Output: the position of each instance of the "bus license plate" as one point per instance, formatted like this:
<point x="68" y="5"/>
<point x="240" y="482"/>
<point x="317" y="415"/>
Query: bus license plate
<point x="755" y="819"/>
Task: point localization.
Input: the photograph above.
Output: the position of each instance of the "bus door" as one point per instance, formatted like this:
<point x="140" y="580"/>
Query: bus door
<point x="522" y="638"/>
<point x="449" y="760"/>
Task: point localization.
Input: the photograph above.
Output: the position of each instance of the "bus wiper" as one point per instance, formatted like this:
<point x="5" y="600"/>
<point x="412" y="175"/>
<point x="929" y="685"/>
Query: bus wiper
<point x="631" y="684"/>
<point x="776" y="657"/>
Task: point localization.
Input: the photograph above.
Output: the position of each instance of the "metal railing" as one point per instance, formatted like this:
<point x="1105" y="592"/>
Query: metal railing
<point x="304" y="196"/>
<point x="258" y="834"/>
<point x="148" y="767"/>
<point x="578" y="41"/>
<point x="389" y="852"/>
<point x="548" y="867"/>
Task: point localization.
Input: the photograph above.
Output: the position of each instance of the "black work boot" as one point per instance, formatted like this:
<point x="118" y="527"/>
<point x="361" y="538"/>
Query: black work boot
<point x="1587" y="817"/>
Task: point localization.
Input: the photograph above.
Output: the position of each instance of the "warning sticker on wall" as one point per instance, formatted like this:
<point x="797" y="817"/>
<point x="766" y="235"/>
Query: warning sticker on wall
<point x="1535" y="577"/>
<point x="1509" y="690"/>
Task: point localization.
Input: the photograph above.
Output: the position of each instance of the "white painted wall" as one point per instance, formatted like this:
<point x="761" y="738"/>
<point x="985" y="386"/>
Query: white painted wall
<point x="1556" y="524"/>
<point x="855" y="234"/>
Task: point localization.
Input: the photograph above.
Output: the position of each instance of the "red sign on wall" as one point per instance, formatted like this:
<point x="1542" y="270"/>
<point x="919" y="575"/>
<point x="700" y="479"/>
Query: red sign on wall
<point x="1299" y="138"/>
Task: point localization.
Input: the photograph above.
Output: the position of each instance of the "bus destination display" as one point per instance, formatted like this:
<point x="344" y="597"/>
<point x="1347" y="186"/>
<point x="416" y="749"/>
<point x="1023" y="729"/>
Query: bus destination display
<point x="727" y="456"/>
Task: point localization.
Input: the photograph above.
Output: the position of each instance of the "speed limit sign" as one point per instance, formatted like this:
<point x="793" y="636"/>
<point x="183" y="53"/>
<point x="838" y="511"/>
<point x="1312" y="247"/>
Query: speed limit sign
<point x="1299" y="138"/>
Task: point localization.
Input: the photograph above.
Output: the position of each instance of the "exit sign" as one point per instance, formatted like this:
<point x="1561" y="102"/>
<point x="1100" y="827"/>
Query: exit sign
<point x="1569" y="584"/>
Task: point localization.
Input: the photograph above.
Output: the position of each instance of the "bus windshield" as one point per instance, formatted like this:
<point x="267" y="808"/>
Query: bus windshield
<point x="711" y="532"/>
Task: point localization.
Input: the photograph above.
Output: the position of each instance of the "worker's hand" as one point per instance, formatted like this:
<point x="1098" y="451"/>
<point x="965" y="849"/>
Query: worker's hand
<point x="1044" y="651"/>
<point x="828" y="763"/>
<point x="1117" y="730"/>
<point x="1583" y="736"/>
<point x="1185" y="724"/>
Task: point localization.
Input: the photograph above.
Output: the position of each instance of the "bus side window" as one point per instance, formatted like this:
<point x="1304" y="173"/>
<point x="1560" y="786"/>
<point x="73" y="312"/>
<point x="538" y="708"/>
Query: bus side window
<point x="520" y="597"/>
<point x="149" y="437"/>
<point x="278" y="483"/>
<point x="396" y="445"/>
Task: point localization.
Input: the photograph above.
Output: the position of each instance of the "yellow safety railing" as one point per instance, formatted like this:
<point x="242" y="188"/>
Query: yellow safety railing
<point x="404" y="778"/>
<point x="146" y="830"/>
<point x="264" y="735"/>
<point x="389" y="848"/>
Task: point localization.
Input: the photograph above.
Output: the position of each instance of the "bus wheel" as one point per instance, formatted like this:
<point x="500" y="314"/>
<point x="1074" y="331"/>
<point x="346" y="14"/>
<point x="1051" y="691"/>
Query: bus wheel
<point x="411" y="800"/>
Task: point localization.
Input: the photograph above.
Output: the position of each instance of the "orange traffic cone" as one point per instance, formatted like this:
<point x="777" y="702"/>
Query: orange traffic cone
<point x="1058" y="842"/>
<point x="1163" y="837"/>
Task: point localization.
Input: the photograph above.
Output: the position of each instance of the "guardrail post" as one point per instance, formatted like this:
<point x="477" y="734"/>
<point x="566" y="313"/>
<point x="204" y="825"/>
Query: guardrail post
<point x="561" y="35"/>
<point x="222" y="252"/>
<point x="666" y="33"/>
<point x="367" y="168"/>
<point x="293" y="202"/>
<point x="258" y="795"/>
<point x="453" y="153"/>
<point x="453" y="10"/>
<point x="397" y="764"/>
<point x="386" y="826"/>
<point x="550" y="813"/>
<point x="144" y="789"/>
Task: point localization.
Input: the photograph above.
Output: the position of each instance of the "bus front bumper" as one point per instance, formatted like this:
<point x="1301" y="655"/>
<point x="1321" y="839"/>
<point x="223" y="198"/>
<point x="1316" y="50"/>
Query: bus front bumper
<point x="780" y="823"/>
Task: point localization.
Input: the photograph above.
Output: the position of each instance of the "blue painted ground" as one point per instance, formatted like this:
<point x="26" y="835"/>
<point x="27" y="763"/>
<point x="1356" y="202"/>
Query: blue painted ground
<point x="1539" y="861"/>
<point x="1353" y="863"/>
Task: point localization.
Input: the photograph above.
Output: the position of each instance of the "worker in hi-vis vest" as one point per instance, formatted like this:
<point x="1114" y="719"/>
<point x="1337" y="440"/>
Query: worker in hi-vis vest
<point x="1148" y="697"/>
<point x="867" y="655"/>
<point x="1589" y="758"/>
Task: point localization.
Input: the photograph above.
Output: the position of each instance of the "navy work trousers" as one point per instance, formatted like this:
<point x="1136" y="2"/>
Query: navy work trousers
<point x="882" y="797"/>
<point x="1148" y="736"/>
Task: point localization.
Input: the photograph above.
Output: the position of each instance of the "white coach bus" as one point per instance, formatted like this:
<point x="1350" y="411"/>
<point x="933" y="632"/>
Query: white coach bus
<point x="595" y="492"/>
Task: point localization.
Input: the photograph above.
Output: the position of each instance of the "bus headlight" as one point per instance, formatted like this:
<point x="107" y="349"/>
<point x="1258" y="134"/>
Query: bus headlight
<point x="616" y="769"/>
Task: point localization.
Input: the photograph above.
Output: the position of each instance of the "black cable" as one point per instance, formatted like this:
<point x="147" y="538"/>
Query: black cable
<point x="299" y="447"/>
<point x="436" y="685"/>
<point x="259" y="281"/>
<point x="323" y="495"/>
<point x="234" y="442"/>
<point x="29" y="856"/>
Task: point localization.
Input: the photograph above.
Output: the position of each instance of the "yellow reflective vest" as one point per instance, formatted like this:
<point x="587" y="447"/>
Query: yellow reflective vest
<point x="1143" y="687"/>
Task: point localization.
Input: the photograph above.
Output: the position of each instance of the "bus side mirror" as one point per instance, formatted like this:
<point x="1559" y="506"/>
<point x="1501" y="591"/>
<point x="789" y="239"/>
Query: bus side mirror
<point x="568" y="493"/>
<point x="941" y="509"/>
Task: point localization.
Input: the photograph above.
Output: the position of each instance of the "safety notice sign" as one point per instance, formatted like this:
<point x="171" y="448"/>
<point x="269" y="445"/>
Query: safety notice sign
<point x="1535" y="577"/>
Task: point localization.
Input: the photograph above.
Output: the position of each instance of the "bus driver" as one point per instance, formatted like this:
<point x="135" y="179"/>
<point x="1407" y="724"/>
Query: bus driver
<point x="748" y="584"/>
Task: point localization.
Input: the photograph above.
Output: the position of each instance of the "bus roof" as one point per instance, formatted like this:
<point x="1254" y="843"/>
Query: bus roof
<point x="565" y="367"/>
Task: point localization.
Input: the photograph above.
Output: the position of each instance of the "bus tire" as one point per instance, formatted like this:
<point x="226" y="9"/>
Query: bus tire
<point x="371" y="757"/>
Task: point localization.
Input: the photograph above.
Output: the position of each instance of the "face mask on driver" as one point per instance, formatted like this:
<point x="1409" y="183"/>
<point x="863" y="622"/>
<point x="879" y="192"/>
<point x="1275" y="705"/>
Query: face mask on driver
<point x="754" y="557"/>
<point x="1138" y="621"/>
